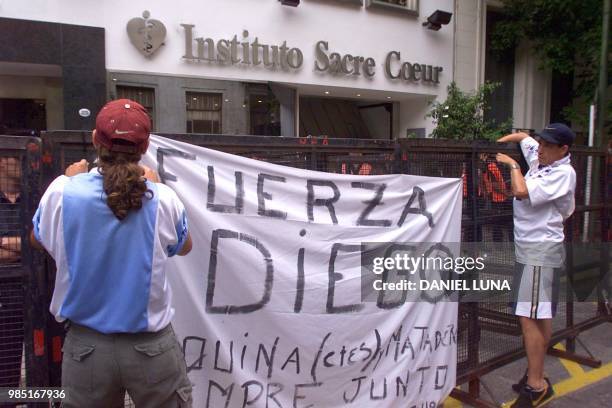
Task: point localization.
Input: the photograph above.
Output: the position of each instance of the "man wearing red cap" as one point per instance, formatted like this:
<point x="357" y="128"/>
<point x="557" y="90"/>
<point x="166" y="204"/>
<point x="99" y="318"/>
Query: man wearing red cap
<point x="111" y="231"/>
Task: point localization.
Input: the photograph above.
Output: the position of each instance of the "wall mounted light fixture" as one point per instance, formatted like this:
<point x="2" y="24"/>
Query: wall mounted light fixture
<point x="437" y="20"/>
<point x="292" y="3"/>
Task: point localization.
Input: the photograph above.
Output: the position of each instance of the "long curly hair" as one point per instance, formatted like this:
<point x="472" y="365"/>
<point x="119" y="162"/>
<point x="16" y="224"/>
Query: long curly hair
<point x="124" y="183"/>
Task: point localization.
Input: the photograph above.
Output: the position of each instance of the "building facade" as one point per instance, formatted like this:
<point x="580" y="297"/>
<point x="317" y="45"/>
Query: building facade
<point x="525" y="92"/>
<point x="341" y="68"/>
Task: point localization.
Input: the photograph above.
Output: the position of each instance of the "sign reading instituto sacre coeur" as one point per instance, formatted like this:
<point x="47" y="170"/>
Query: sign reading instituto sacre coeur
<point x="246" y="51"/>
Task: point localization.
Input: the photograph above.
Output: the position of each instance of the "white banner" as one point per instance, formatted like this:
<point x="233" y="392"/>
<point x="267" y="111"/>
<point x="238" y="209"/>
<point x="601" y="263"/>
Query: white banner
<point x="268" y="303"/>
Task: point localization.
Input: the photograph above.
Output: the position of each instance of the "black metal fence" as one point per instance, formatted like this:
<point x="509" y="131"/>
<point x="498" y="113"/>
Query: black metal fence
<point x="489" y="335"/>
<point x="21" y="331"/>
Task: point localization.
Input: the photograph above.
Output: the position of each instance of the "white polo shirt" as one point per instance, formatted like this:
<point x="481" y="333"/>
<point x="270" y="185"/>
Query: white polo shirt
<point x="538" y="220"/>
<point x="110" y="274"/>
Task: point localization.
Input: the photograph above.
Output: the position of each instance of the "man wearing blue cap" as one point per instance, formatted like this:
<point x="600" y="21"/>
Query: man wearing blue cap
<point x="543" y="200"/>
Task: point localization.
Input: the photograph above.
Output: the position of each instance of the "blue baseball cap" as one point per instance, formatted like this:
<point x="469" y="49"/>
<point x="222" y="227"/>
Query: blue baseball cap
<point x="557" y="133"/>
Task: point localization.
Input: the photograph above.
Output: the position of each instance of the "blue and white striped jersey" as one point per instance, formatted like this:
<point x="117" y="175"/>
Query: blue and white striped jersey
<point x="110" y="273"/>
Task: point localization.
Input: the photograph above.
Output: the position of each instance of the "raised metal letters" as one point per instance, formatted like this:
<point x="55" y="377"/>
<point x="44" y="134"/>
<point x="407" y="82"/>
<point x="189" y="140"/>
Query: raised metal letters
<point x="234" y="51"/>
<point x="246" y="52"/>
<point x="342" y="64"/>
<point x="410" y="71"/>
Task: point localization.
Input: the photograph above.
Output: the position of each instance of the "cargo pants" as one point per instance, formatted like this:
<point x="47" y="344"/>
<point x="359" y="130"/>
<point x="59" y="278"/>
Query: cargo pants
<point x="97" y="369"/>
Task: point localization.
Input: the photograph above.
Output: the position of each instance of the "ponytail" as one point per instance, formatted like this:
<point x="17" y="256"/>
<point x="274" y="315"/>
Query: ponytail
<point x="124" y="183"/>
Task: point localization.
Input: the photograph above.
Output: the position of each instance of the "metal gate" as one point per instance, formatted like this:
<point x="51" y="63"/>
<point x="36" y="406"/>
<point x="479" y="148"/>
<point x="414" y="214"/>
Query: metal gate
<point x="489" y="335"/>
<point x="22" y="342"/>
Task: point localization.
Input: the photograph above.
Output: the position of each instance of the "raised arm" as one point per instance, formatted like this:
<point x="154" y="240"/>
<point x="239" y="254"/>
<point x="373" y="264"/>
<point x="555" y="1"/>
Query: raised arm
<point x="513" y="137"/>
<point x="519" y="186"/>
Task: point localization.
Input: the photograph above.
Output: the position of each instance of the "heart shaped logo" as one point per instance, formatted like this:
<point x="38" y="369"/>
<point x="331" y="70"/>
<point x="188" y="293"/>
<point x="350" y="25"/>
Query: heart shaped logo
<point x="147" y="35"/>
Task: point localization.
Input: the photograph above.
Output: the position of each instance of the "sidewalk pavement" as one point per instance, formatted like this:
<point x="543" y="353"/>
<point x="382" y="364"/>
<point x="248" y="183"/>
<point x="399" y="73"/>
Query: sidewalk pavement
<point x="574" y="385"/>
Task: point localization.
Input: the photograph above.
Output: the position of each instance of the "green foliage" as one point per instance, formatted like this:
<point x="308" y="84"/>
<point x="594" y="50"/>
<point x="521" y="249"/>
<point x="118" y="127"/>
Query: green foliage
<point x="461" y="115"/>
<point x="565" y="34"/>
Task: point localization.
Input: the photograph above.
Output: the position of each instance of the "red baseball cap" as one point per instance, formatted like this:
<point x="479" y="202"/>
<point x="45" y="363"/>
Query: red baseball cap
<point x="126" y="120"/>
